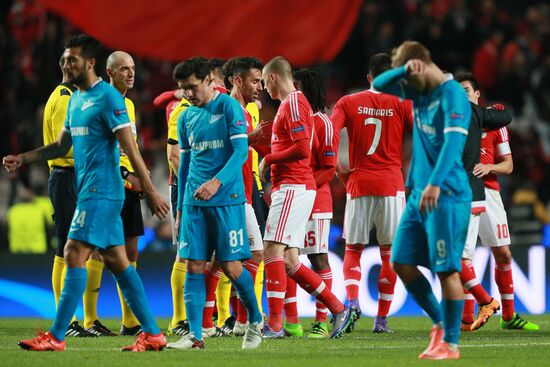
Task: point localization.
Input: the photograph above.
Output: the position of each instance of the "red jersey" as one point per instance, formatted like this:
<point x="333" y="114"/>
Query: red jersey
<point x="293" y="122"/>
<point x="248" y="175"/>
<point x="494" y="144"/>
<point x="323" y="156"/>
<point x="375" y="123"/>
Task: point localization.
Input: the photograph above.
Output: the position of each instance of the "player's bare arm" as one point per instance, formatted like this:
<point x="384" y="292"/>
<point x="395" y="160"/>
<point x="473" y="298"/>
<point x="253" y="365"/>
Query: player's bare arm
<point x="504" y="167"/>
<point x="51" y="151"/>
<point x="155" y="202"/>
<point x="174" y="156"/>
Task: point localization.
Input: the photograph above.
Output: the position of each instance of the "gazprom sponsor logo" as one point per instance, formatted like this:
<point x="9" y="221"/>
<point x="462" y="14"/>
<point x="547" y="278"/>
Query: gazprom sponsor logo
<point x="79" y="131"/>
<point x="208" y="144"/>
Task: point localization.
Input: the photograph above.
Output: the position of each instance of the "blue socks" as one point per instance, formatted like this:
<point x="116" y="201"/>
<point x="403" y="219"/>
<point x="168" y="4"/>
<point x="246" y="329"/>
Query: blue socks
<point x="132" y="289"/>
<point x="452" y="314"/>
<point x="75" y="284"/>
<point x="245" y="289"/>
<point x="194" y="297"/>
<point x="421" y="290"/>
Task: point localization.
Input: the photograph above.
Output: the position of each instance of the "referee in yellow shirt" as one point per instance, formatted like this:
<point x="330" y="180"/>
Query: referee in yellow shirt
<point x="61" y="186"/>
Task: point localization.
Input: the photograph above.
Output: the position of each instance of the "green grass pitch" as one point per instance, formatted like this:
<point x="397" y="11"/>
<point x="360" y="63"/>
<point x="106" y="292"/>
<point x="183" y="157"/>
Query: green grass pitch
<point x="490" y="346"/>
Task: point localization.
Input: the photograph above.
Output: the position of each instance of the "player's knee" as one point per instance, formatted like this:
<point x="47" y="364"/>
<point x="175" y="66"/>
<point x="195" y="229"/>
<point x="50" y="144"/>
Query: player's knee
<point x="319" y="261"/>
<point x="232" y="269"/>
<point x="195" y="266"/>
<point x="502" y="255"/>
<point x="257" y="256"/>
<point x="75" y="255"/>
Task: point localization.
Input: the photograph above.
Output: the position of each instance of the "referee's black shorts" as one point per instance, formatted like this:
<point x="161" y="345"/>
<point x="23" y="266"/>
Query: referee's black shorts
<point x="132" y="220"/>
<point x="62" y="190"/>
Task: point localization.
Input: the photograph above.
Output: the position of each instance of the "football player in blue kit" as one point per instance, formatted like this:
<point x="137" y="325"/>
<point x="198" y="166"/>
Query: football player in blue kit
<point x="97" y="122"/>
<point x="433" y="229"/>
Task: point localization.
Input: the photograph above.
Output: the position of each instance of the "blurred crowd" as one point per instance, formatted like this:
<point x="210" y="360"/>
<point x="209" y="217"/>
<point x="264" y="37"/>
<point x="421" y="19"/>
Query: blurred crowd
<point x="506" y="44"/>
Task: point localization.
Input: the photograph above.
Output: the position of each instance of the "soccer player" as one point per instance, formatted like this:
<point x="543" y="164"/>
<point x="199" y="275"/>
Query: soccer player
<point x="323" y="165"/>
<point x="433" y="228"/>
<point x="491" y="224"/>
<point x="176" y="104"/>
<point x="96" y="120"/>
<point x="246" y="87"/>
<point x="214" y="146"/>
<point x="61" y="186"/>
<point x="121" y="70"/>
<point x="375" y="124"/>
<point x="292" y="198"/>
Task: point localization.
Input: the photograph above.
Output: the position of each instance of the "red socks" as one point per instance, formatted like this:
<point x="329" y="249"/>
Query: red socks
<point x="470" y="283"/>
<point x="290" y="306"/>
<point x="311" y="283"/>
<point x="212" y="276"/>
<point x="505" y="283"/>
<point x="275" y="285"/>
<point x="352" y="270"/>
<point x="469" y="308"/>
<point x="386" y="283"/>
<point x="320" y="309"/>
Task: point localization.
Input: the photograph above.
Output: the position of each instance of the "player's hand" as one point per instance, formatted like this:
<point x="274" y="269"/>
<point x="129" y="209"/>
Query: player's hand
<point x="208" y="189"/>
<point x="481" y="170"/>
<point x="415" y="67"/>
<point x="158" y="206"/>
<point x="262" y="170"/>
<point x="12" y="162"/>
<point x="343" y="175"/>
<point x="428" y="200"/>
<point x="178" y="94"/>
<point x="135" y="183"/>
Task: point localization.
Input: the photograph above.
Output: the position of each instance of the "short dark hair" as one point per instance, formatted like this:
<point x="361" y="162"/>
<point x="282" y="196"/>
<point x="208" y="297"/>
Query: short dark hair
<point x="378" y="64"/>
<point x="228" y="71"/>
<point x="90" y="46"/>
<point x="313" y="88"/>
<point x="467" y="77"/>
<point x="216" y="63"/>
<point x="244" y="64"/>
<point x="199" y="66"/>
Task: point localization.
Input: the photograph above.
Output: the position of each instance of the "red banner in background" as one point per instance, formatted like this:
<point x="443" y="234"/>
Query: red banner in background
<point x="304" y="31"/>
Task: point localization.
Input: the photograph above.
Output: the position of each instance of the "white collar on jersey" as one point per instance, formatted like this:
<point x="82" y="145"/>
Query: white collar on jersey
<point x="216" y="94"/>
<point x="448" y="76"/>
<point x="372" y="90"/>
<point x="100" y="79"/>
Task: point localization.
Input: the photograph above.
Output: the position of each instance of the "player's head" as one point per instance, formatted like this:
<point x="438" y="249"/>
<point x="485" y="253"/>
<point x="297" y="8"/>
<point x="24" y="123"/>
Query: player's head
<point x="470" y="85"/>
<point x="410" y="50"/>
<point x="247" y="77"/>
<point x="378" y="64"/>
<point x="216" y="69"/>
<point x="194" y="77"/>
<point x="228" y="72"/>
<point x="80" y="57"/>
<point x="121" y="70"/>
<point x="61" y="62"/>
<point x="309" y="82"/>
<point x="276" y="73"/>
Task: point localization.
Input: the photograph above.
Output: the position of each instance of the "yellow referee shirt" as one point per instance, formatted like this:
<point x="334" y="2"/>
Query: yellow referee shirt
<point x="254" y="111"/>
<point x="124" y="161"/>
<point x="173" y="122"/>
<point x="55" y="113"/>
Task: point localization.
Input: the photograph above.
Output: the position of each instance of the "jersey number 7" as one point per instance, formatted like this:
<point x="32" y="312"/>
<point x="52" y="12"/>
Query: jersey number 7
<point x="377" y="133"/>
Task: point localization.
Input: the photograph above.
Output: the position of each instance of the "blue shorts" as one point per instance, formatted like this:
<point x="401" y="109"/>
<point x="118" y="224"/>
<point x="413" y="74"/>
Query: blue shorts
<point x="98" y="223"/>
<point x="434" y="240"/>
<point x="205" y="229"/>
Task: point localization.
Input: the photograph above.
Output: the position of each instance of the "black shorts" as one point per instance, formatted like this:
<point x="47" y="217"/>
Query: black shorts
<point x="174" y="198"/>
<point x="62" y="190"/>
<point x="132" y="220"/>
<point x="260" y="207"/>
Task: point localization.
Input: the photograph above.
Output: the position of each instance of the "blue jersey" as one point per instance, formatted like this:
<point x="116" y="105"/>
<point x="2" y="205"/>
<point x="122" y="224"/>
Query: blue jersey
<point x="94" y="115"/>
<point x="208" y="138"/>
<point x="442" y="116"/>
